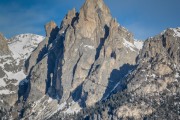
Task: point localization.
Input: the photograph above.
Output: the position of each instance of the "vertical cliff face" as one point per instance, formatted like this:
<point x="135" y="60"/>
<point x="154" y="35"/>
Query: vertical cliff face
<point x="83" y="60"/>
<point x="40" y="65"/>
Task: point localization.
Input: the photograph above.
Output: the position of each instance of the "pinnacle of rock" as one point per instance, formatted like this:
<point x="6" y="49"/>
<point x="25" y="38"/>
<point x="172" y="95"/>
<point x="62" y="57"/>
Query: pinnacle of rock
<point x="92" y="8"/>
<point x="49" y="27"/>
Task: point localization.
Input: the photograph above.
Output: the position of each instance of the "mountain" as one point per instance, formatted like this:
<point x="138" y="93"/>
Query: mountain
<point x="14" y="52"/>
<point x="90" y="67"/>
<point x="79" y="63"/>
<point x="153" y="88"/>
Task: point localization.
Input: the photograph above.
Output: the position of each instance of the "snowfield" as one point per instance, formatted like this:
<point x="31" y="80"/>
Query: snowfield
<point x="21" y="47"/>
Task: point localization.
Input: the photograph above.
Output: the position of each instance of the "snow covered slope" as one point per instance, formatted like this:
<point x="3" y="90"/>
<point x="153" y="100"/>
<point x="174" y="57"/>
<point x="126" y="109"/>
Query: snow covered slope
<point x="22" y="45"/>
<point x="11" y="66"/>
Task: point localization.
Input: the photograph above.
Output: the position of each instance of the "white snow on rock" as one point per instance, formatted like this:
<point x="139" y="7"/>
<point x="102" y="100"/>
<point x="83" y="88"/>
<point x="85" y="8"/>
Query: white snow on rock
<point x="22" y="45"/>
<point x="50" y="100"/>
<point x="177" y="75"/>
<point x="18" y="76"/>
<point x="2" y="83"/>
<point x="5" y="92"/>
<point x="89" y="46"/>
<point x="73" y="108"/>
<point x="128" y="45"/>
<point x="138" y="44"/>
<point x="176" y="31"/>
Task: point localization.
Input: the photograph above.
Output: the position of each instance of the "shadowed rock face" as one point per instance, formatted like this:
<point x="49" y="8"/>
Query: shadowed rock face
<point x="82" y="57"/>
<point x="49" y="27"/>
<point x="4" y="50"/>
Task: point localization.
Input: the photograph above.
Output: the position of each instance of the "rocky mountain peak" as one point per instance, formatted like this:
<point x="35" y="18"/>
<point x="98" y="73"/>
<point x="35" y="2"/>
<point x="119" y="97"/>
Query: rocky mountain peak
<point x="4" y="50"/>
<point x="49" y="27"/>
<point x="70" y="65"/>
<point x="92" y="14"/>
<point x="94" y="7"/>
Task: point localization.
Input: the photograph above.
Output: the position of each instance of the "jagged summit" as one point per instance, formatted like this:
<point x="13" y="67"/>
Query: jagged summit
<point x="93" y="13"/>
<point x="91" y="8"/>
<point x="49" y="27"/>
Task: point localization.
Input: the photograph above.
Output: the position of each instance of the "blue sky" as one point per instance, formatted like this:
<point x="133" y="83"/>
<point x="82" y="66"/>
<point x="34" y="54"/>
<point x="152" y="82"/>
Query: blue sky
<point x="144" y="18"/>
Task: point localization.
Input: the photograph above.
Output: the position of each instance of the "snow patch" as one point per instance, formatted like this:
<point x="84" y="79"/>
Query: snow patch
<point x="5" y="92"/>
<point x="128" y="45"/>
<point x="74" y="108"/>
<point x="153" y="75"/>
<point x="143" y="70"/>
<point x="177" y="75"/>
<point x="4" y="56"/>
<point x="2" y="101"/>
<point x="18" y="76"/>
<point x="89" y="46"/>
<point x="176" y="32"/>
<point x="2" y="83"/>
<point x="61" y="106"/>
<point x="138" y="44"/>
<point x="50" y="100"/>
